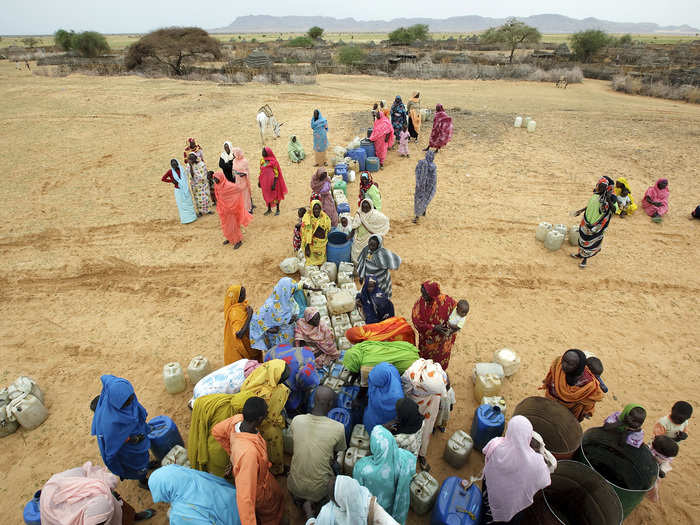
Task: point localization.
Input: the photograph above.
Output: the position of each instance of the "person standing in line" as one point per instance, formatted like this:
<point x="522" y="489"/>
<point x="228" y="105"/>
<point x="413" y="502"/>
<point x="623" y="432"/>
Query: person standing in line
<point x="319" y="125"/>
<point x="271" y="181"/>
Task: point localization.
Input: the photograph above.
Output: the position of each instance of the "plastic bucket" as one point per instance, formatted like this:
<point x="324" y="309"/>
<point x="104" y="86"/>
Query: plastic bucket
<point x="578" y="495"/>
<point x="338" y="248"/>
<point x="631" y="472"/>
<point x="558" y="427"/>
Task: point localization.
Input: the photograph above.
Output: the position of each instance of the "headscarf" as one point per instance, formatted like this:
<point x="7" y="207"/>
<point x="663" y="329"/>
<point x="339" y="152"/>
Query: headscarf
<point x="269" y="158"/>
<point x="80" y="496"/>
<point x="227" y="157"/>
<point x="351" y="505"/>
<point x="398" y="112"/>
<point x="580" y="397"/>
<point x="264" y="382"/>
<point x="319" y="122"/>
<point x="657" y="194"/>
<point x="321" y="336"/>
<point x="240" y="163"/>
<point x="625" y="412"/>
<point x="345" y="229"/>
<point x="424" y="378"/>
<point x="366" y="182"/>
<point x="278" y="310"/>
<point x="409" y="417"/>
<point x="374" y="221"/>
<point x="113" y="423"/>
<point x="442" y="128"/>
<point x="381" y="258"/>
<point x="573" y="377"/>
<point x="294" y="149"/>
<point x="387" y="473"/>
<point x="513" y="471"/>
<point x="194" y="497"/>
<point x="302" y="371"/>
<point x="376" y="305"/>
<point x="384" y="391"/>
<point x="428" y="314"/>
<point x="317" y="184"/>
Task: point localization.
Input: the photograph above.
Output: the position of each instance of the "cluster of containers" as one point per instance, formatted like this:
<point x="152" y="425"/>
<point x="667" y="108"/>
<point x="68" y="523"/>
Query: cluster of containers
<point x="174" y="376"/>
<point x="528" y="123"/>
<point x="359" y="154"/>
<point x="553" y="235"/>
<point x="21" y="404"/>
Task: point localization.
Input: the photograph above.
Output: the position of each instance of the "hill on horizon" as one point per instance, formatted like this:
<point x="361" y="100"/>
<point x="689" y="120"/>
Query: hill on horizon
<point x="546" y="23"/>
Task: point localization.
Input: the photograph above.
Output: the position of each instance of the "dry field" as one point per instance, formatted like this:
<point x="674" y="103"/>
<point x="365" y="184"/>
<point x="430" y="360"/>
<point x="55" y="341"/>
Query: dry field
<point x="99" y="276"/>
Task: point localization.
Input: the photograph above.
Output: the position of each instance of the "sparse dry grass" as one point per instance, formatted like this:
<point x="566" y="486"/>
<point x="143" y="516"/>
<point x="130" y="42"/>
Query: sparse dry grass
<point x="635" y="86"/>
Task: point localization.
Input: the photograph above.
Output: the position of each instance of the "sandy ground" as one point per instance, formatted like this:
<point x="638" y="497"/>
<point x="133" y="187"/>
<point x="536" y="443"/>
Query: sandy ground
<point x="99" y="276"/>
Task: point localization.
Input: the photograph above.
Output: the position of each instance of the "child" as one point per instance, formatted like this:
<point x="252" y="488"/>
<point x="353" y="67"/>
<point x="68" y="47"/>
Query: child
<point x="344" y="223"/>
<point x="447" y="403"/>
<point x="664" y="449"/>
<point x="458" y="316"/>
<point x="675" y="425"/>
<point x="623" y="201"/>
<point x="629" y="424"/>
<point x="296" y="241"/>
<point x="403" y="142"/>
<point x="595" y="365"/>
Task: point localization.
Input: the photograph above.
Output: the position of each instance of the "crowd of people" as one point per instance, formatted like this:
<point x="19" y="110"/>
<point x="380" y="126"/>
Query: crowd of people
<point x="276" y="354"/>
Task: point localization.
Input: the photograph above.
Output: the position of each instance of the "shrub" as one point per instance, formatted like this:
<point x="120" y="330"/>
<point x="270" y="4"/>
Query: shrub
<point x="90" y="44"/>
<point x="408" y="35"/>
<point x="170" y="46"/>
<point x="30" y="41"/>
<point x="300" y="41"/>
<point x="512" y="33"/>
<point x="64" y="39"/>
<point x="349" y="55"/>
<point x="625" y="40"/>
<point x="635" y="86"/>
<point x="585" y="44"/>
<point x="315" y="32"/>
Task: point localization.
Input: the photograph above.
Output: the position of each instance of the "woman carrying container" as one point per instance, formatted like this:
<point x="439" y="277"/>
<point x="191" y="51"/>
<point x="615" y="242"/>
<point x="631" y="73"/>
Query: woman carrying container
<point x="596" y="219"/>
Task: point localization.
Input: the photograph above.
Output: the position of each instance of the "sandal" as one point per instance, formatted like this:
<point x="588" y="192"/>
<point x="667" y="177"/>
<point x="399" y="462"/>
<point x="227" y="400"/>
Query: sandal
<point x="268" y="212"/>
<point x="144" y="515"/>
<point x="575" y="255"/>
<point x="237" y="245"/>
<point x="582" y="264"/>
<point x="225" y="242"/>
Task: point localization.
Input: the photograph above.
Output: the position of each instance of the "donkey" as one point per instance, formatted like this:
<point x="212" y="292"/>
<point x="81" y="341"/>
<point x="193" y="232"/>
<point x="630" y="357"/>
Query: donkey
<point x="265" y="122"/>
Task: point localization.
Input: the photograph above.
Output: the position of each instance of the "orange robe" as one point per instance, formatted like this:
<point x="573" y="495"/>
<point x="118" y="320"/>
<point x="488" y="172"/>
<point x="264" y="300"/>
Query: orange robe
<point x="235" y="315"/>
<point x="391" y="329"/>
<point x="258" y="495"/>
<point x="579" y="399"/>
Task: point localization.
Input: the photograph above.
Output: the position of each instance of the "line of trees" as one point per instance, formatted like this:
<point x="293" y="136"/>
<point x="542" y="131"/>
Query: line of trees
<point x="88" y="43"/>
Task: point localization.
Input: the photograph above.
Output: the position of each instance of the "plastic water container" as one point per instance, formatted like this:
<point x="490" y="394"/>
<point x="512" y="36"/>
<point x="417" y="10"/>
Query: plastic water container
<point x="360" y="155"/>
<point x="346" y="267"/>
<point x="343" y="344"/>
<point x="527" y="121"/>
<point x="359" y="437"/>
<point x="372" y="164"/>
<point x="351" y="456"/>
<point x="482" y="369"/>
<point x="330" y="269"/>
<point x="554" y="240"/>
<point x="346" y="397"/>
<point x="458" y="448"/>
<point x="531" y="126"/>
<point x="368" y="146"/>
<point x="341" y="185"/>
<point x="424" y="490"/>
<point x="334" y="383"/>
<point x="508" y="359"/>
<point x="8" y="425"/>
<point x="488" y="423"/>
<point x="198" y="368"/>
<point x="28" y="411"/>
<point x="495" y="401"/>
<point x="487" y="385"/>
<point x="287" y="441"/>
<point x="573" y="235"/>
<point x="341" y="169"/>
<point x="542" y="229"/>
<point x="339" y="247"/>
<point x="174" y="378"/>
<point x="518" y="121"/>
<point x="342" y="415"/>
<point x="32" y="512"/>
<point x="164" y="435"/>
<point x="343" y="207"/>
<point x="176" y="456"/>
<point x="351" y="176"/>
<point x="459" y="503"/>
<point x="561" y="228"/>
<point x="25" y="385"/>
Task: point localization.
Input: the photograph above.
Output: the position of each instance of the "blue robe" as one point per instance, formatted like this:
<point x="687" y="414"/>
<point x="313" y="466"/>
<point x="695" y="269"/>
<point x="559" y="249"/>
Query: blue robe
<point x="183" y="197"/>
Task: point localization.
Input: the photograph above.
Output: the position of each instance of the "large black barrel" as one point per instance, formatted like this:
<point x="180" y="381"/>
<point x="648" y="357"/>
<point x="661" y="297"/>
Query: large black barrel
<point x="558" y="427"/>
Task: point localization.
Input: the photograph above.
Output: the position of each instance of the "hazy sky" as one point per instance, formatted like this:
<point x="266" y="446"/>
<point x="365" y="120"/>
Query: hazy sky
<point x="125" y="16"/>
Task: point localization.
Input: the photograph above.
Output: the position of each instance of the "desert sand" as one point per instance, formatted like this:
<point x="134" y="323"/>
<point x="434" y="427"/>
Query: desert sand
<point x="99" y="276"/>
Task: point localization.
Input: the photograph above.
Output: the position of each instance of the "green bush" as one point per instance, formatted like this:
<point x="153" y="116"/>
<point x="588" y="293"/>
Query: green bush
<point x="315" y="32"/>
<point x="585" y="44"/>
<point x="625" y="40"/>
<point x="64" y="39"/>
<point x="90" y="44"/>
<point x="408" y="35"/>
<point x="300" y="41"/>
<point x="349" y="55"/>
<point x="512" y="33"/>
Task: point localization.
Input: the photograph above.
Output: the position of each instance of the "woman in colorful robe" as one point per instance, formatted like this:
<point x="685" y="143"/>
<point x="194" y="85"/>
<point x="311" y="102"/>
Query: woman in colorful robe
<point x="295" y="150"/>
<point x="622" y="186"/>
<point x="303" y="377"/>
<point x="177" y="176"/>
<point x="369" y="190"/>
<point x="319" y="125"/>
<point x="241" y="170"/>
<point x="193" y="147"/>
<point x="414" y="116"/>
<point x="377" y="261"/>
<point x="655" y="202"/>
<point x="315" y="227"/>
<point x="366" y="222"/>
<point x="318" y="336"/>
<point x="399" y="116"/>
<point x="321" y="186"/>
<point x="231" y="205"/>
<point x="271" y="181"/>
<point x="237" y="317"/>
<point x="442" y="129"/>
<point x="201" y="190"/>
<point x="596" y="219"/>
<point x="426" y="185"/>
<point x="430" y="315"/>
<point x="382" y="136"/>
<point x="273" y="323"/>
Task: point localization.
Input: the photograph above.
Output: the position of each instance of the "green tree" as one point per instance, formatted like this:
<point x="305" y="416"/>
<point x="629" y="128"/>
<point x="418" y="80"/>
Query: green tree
<point x="408" y="35"/>
<point x="350" y="55"/>
<point x="587" y="43"/>
<point x="625" y="40"/>
<point x="171" y="45"/>
<point x="64" y="39"/>
<point x="512" y="33"/>
<point x="90" y="44"/>
<point x="300" y="41"/>
<point x="30" y="41"/>
<point x="315" y="32"/>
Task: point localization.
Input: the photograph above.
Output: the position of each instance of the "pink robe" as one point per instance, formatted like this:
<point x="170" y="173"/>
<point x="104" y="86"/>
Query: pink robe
<point x="231" y="205"/>
<point x="382" y="128"/>
<point x="657" y="195"/>
<point x="240" y="165"/>
<point x="323" y="189"/>
<point x="270" y="171"/>
<point x="403" y="142"/>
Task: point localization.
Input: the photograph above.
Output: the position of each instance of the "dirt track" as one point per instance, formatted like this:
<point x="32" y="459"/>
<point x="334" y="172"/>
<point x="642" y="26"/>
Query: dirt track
<point x="99" y="276"/>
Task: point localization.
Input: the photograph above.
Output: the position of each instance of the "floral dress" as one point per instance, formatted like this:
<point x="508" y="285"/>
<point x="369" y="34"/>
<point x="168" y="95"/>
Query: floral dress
<point x="279" y="311"/>
<point x="200" y="187"/>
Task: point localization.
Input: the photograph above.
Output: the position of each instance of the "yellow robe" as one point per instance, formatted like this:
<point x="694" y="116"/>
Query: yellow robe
<point x="309" y="224"/>
<point x="235" y="315"/>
